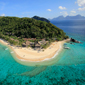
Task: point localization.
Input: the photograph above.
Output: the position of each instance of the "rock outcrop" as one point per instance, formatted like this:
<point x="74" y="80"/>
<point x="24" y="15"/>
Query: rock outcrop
<point x="41" y="18"/>
<point x="73" y="40"/>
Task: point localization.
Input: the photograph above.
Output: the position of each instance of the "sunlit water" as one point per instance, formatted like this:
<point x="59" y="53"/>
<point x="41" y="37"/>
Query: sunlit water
<point x="67" y="69"/>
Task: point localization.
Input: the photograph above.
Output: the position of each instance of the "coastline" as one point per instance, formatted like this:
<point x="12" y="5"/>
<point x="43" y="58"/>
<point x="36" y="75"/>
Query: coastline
<point x="30" y="55"/>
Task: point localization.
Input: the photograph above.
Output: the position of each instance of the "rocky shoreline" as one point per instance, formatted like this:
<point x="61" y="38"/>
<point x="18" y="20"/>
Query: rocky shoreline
<point x="73" y="40"/>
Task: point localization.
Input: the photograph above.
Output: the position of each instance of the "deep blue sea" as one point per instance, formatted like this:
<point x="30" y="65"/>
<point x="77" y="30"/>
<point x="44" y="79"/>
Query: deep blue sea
<point x="68" y="70"/>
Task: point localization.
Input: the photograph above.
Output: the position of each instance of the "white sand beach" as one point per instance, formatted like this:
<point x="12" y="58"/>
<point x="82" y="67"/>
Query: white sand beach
<point x="30" y="54"/>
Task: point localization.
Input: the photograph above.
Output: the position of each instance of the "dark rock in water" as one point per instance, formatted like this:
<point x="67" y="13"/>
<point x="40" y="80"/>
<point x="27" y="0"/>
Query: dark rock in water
<point x="73" y="40"/>
<point x="70" y="43"/>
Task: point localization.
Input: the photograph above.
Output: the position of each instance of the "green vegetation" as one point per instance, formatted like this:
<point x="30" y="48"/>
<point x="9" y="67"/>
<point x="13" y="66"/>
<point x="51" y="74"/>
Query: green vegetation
<point x="14" y="30"/>
<point x="46" y="45"/>
<point x="41" y="18"/>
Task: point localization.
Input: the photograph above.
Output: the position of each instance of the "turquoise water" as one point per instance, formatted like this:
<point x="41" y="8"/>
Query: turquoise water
<point x="68" y="70"/>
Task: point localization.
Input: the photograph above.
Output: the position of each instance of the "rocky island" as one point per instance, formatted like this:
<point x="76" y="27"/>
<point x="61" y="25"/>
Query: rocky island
<point x="29" y="37"/>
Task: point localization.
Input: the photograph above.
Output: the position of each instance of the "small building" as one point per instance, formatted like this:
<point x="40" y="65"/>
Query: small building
<point x="26" y="44"/>
<point x="26" y="39"/>
<point x="43" y="42"/>
<point x="32" y="44"/>
<point x="37" y="45"/>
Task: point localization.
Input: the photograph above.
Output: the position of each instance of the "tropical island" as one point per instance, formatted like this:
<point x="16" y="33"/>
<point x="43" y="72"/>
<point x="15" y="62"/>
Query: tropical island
<point x="31" y="37"/>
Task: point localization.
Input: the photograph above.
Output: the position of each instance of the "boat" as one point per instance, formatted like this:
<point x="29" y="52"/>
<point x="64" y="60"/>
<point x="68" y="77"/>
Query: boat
<point x="65" y="44"/>
<point x="72" y="43"/>
<point x="66" y="48"/>
<point x="12" y="52"/>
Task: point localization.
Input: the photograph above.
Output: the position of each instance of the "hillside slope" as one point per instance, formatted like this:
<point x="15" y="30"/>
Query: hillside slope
<point x="41" y="18"/>
<point x="29" y="28"/>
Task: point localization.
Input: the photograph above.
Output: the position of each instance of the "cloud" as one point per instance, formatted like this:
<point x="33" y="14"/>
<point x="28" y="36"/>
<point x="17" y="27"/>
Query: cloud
<point x="73" y="11"/>
<point x="81" y="4"/>
<point x="64" y="13"/>
<point x="2" y="14"/>
<point x="62" y="8"/>
<point x="81" y="9"/>
<point x="60" y="12"/>
<point x="49" y="10"/>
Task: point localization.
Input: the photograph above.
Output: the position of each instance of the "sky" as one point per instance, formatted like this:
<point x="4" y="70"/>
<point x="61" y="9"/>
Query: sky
<point x="43" y="8"/>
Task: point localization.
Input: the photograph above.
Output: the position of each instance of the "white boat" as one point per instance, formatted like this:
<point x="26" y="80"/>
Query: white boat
<point x="65" y="44"/>
<point x="12" y="52"/>
<point x="66" y="48"/>
<point x="6" y="49"/>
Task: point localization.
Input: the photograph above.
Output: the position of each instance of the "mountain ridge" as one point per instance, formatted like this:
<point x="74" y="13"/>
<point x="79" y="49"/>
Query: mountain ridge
<point x="77" y="17"/>
<point x="41" y="18"/>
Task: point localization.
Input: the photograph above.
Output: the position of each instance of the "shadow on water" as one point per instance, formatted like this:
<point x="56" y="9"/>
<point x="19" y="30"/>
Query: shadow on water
<point x="37" y="70"/>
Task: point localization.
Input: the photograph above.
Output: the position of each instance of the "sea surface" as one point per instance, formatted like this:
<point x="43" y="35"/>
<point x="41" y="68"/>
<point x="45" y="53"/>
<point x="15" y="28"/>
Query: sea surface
<point x="67" y="69"/>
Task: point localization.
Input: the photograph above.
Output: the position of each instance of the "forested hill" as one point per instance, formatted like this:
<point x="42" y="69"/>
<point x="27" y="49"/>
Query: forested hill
<point x="29" y="28"/>
<point x="41" y="18"/>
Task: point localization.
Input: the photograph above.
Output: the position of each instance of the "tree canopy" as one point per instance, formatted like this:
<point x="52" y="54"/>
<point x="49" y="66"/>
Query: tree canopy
<point x="29" y="28"/>
<point x="41" y="18"/>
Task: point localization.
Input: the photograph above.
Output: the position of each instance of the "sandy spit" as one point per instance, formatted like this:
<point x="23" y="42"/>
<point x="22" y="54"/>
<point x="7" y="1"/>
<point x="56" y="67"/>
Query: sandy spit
<point x="29" y="54"/>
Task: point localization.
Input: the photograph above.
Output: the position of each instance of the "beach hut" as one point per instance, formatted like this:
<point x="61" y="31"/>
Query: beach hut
<point x="26" y="44"/>
<point x="37" y="45"/>
<point x="32" y="44"/>
<point x="43" y="42"/>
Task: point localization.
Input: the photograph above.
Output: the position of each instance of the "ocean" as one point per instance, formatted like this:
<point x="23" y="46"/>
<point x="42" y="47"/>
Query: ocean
<point x="67" y="69"/>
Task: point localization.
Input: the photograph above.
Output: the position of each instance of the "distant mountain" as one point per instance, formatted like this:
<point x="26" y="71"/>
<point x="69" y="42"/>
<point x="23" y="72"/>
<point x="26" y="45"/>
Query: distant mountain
<point x="41" y="18"/>
<point x="77" y="17"/>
